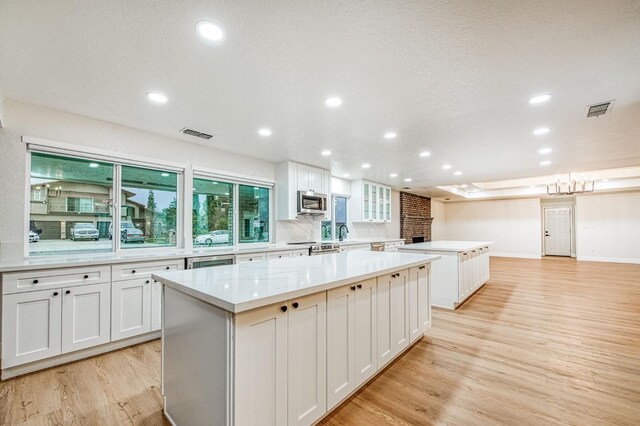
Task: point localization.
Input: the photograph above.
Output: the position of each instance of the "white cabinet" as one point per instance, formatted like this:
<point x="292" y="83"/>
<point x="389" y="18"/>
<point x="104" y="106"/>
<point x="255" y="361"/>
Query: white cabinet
<point x="293" y="177"/>
<point x="392" y="246"/>
<point x="307" y="358"/>
<point x="130" y="308"/>
<point x="250" y="257"/>
<point x="85" y="316"/>
<point x="419" y="301"/>
<point x="278" y="255"/>
<point x="156" y="305"/>
<point x="261" y="366"/>
<point x="359" y="247"/>
<point x="300" y="253"/>
<point x="370" y="202"/>
<point x="280" y="357"/>
<point x="31" y="326"/>
<point x="393" y="316"/>
<point x="366" y="338"/>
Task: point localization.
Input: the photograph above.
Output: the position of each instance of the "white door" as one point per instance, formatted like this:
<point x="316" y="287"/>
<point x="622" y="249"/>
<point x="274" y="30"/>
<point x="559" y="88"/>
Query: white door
<point x="85" y="316"/>
<point x="31" y="326"/>
<point x="341" y="341"/>
<point x="307" y="374"/>
<point x="366" y="337"/>
<point x="261" y="366"/>
<point x="130" y="308"/>
<point x="557" y="231"/>
<point x="156" y="305"/>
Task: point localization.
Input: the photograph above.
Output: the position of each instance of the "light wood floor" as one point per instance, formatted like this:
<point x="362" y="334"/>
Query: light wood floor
<point x="547" y="341"/>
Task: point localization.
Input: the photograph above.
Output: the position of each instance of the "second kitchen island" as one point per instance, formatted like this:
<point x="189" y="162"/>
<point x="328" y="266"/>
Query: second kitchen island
<point x="283" y="342"/>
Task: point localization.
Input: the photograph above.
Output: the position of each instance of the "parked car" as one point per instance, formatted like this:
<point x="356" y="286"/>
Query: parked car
<point x="33" y="237"/>
<point x="84" y="231"/>
<point x="213" y="238"/>
<point x="128" y="232"/>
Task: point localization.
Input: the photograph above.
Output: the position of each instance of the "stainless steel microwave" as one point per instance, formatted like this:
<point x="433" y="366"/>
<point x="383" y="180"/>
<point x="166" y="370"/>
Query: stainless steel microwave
<point x="310" y="202"/>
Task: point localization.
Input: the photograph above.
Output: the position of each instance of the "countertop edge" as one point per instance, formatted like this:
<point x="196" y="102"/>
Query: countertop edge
<point x="453" y="250"/>
<point x="254" y="304"/>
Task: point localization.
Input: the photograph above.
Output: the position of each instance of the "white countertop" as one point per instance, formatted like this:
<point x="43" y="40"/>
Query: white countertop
<point x="72" y="260"/>
<point x="238" y="288"/>
<point x="454" y="246"/>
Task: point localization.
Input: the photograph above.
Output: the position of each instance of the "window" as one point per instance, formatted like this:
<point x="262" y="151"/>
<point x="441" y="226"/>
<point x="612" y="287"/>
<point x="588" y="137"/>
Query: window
<point x="330" y="229"/>
<point x="70" y="205"/>
<point x="212" y="213"/>
<point x="149" y="208"/>
<point x="253" y="214"/>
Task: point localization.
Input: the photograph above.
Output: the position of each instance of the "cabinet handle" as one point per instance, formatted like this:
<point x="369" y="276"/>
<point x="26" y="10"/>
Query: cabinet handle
<point x="359" y="285"/>
<point x="353" y="288"/>
<point x="55" y="293"/>
<point x="67" y="292"/>
<point x="283" y="308"/>
<point x="146" y="282"/>
<point x="86" y="276"/>
<point x="133" y="271"/>
<point x="167" y="268"/>
<point x="35" y="281"/>
<point x="295" y="305"/>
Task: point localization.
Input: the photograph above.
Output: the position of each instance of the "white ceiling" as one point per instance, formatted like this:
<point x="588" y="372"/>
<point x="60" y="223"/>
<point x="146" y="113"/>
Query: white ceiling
<point x="451" y="77"/>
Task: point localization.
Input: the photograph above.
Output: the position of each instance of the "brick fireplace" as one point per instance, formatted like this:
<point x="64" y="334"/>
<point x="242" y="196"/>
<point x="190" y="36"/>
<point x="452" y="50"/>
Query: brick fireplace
<point x="415" y="217"/>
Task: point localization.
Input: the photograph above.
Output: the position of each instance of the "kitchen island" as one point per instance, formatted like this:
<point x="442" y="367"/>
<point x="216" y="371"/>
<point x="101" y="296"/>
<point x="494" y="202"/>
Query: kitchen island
<point x="463" y="270"/>
<point x="284" y="341"/>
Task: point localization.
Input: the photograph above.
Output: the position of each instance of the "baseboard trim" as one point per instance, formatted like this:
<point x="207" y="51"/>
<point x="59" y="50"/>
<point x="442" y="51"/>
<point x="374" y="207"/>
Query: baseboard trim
<point x="608" y="259"/>
<point x="55" y="361"/>
<point x="516" y="255"/>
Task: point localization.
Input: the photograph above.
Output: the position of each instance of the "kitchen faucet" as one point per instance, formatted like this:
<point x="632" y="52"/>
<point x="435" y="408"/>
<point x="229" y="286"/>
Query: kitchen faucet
<point x="340" y="237"/>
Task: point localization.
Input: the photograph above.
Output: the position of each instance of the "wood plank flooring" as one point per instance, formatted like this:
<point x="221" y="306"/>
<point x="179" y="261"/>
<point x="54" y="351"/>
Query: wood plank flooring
<point x="550" y="341"/>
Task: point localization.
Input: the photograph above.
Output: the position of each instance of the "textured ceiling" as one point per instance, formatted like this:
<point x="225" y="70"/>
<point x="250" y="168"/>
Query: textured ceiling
<point x="452" y="77"/>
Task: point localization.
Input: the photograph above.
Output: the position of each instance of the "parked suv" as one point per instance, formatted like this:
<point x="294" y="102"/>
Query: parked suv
<point x="128" y="232"/>
<point x="84" y="231"/>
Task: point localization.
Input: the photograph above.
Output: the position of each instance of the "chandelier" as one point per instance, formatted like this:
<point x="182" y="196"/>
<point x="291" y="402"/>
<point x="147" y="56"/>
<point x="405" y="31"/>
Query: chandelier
<point x="570" y="186"/>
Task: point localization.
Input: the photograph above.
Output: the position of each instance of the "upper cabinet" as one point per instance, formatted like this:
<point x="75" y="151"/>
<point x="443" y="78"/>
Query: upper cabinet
<point x="292" y="177"/>
<point x="370" y="202"/>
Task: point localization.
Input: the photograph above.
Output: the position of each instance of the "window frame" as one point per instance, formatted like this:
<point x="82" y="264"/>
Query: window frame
<point x="41" y="146"/>
<point x="334" y="234"/>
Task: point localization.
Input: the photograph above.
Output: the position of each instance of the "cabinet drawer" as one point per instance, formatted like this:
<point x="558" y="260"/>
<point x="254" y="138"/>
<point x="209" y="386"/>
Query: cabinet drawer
<point x="300" y="253"/>
<point x="127" y="271"/>
<point x="278" y="255"/>
<point x="253" y="257"/>
<point x="43" y="279"/>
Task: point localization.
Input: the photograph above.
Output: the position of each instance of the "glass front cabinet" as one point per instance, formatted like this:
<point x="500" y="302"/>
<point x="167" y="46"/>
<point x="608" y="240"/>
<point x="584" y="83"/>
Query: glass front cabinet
<point x="371" y="202"/>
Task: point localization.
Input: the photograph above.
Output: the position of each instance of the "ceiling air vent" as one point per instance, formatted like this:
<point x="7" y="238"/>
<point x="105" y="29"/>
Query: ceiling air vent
<point x="196" y="133"/>
<point x="602" y="108"/>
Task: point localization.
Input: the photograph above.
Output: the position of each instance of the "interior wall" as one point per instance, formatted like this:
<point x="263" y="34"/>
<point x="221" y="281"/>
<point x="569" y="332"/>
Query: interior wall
<point x="608" y="227"/>
<point x="22" y="119"/>
<point x="439" y="225"/>
<point x="513" y="225"/>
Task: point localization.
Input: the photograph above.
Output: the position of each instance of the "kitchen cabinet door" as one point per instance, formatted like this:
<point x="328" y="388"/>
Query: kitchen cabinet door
<point x="307" y="374"/>
<point x="156" y="305"/>
<point x="130" y="308"/>
<point x="341" y="371"/>
<point x="374" y="203"/>
<point x="31" y="326"/>
<point x="462" y="275"/>
<point x="366" y="202"/>
<point x="419" y="304"/>
<point x="381" y="204"/>
<point x="85" y="316"/>
<point x="261" y="366"/>
<point x="387" y="205"/>
<point x="316" y="180"/>
<point x="302" y="177"/>
<point x="393" y="316"/>
<point x="366" y="332"/>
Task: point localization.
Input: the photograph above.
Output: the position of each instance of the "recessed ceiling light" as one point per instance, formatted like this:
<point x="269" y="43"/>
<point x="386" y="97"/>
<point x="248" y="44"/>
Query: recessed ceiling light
<point x="264" y="132"/>
<point x="210" y="30"/>
<point x="545" y="163"/>
<point x="346" y="175"/>
<point x="164" y="174"/>
<point x="538" y="99"/>
<point x="544" y="151"/>
<point x="446" y="166"/>
<point x="326" y="153"/>
<point x="366" y="165"/>
<point x="464" y="185"/>
<point x="458" y="173"/>
<point x="407" y="180"/>
<point x="393" y="175"/>
<point x="390" y="135"/>
<point x="94" y="165"/>
<point x="157" y="97"/>
<point x="532" y="186"/>
<point x="604" y="180"/>
<point x="541" y="131"/>
<point x="333" y="102"/>
<point x="425" y="154"/>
